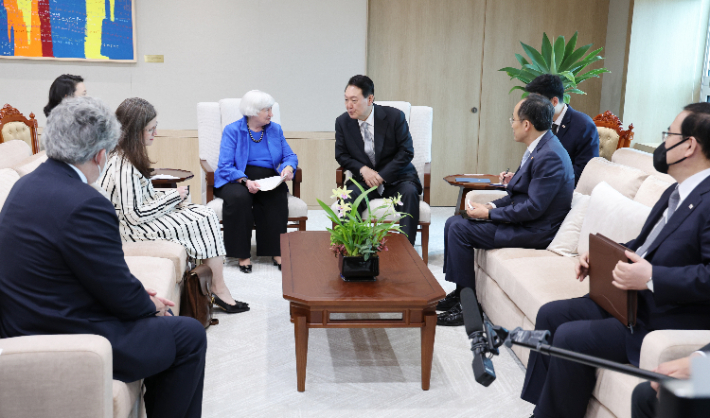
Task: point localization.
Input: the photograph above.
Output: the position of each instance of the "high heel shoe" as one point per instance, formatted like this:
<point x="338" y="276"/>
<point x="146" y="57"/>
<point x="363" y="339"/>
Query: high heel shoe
<point x="276" y="264"/>
<point x="236" y="308"/>
<point x="245" y="269"/>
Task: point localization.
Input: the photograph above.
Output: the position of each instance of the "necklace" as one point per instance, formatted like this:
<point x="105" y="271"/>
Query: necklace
<point x="252" y="136"/>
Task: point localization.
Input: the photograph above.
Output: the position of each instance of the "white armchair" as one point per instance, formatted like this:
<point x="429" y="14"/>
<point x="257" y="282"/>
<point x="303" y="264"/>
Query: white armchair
<point x="420" y="120"/>
<point x="212" y="118"/>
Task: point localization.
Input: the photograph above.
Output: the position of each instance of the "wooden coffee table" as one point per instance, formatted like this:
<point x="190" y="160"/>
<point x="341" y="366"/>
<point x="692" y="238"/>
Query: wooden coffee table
<point x="312" y="283"/>
<point x="177" y="174"/>
<point x="465" y="187"/>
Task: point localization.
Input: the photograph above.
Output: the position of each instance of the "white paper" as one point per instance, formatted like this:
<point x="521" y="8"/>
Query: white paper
<point x="269" y="183"/>
<point x="0" y="350"/>
<point x="164" y="177"/>
<point x="700" y="376"/>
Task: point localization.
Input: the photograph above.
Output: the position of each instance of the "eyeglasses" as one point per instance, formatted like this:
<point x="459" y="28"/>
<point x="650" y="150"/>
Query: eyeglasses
<point x="513" y="120"/>
<point x="152" y="130"/>
<point x="665" y="135"/>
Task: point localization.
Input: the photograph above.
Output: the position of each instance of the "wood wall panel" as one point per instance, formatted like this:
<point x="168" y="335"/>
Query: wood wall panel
<point x="316" y="157"/>
<point x="508" y="22"/>
<point x="179" y="149"/>
<point x="429" y="52"/>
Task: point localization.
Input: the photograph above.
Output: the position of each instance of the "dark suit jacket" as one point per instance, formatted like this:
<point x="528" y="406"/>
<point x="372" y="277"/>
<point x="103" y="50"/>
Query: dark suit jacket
<point x="579" y="135"/>
<point x="62" y="271"/>
<point x="680" y="256"/>
<point x="394" y="149"/>
<point x="539" y="197"/>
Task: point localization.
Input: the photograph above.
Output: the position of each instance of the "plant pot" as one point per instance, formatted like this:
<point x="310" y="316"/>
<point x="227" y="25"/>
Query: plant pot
<point x="357" y="269"/>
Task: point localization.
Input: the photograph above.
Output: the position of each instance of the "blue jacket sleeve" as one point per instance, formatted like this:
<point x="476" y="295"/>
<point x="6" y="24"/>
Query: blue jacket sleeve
<point x="547" y="177"/>
<point x="288" y="157"/>
<point x="503" y="201"/>
<point x="228" y="155"/>
<point x="93" y="251"/>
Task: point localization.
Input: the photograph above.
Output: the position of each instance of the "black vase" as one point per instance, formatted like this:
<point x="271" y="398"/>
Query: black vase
<point x="357" y="269"/>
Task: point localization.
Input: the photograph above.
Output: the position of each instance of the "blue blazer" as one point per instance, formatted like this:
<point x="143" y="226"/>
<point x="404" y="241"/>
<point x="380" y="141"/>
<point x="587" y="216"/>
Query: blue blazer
<point x="62" y="271"/>
<point x="579" y="135"/>
<point x="680" y="256"/>
<point x="539" y="197"/>
<point x="234" y="151"/>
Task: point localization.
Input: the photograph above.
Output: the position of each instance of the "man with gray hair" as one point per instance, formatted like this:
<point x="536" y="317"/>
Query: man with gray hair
<point x="62" y="268"/>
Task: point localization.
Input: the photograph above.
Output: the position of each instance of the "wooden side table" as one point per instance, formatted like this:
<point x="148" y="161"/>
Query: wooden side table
<point x="311" y="282"/>
<point x="465" y="187"/>
<point x="180" y="176"/>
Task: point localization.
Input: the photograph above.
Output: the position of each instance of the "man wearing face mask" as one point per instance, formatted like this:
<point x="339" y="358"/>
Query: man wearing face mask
<point x="670" y="269"/>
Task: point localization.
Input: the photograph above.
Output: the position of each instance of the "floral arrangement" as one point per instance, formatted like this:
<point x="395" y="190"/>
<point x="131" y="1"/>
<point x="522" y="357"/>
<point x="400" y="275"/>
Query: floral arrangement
<point x="353" y="236"/>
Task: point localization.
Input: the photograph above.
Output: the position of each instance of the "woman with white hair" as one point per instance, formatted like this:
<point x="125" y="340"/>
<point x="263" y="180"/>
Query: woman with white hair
<point x="253" y="148"/>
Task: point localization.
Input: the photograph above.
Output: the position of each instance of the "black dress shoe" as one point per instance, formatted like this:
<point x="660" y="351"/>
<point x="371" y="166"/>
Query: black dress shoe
<point x="276" y="264"/>
<point x="451" y="318"/>
<point x="245" y="269"/>
<point x="236" y="308"/>
<point x="451" y="300"/>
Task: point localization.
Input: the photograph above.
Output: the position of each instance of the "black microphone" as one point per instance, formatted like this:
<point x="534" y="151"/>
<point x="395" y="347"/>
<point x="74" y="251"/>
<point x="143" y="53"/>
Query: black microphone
<point x="482" y="366"/>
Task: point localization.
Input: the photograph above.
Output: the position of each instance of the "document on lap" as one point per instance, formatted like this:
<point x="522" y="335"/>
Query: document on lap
<point x="471" y="180"/>
<point x="269" y="183"/>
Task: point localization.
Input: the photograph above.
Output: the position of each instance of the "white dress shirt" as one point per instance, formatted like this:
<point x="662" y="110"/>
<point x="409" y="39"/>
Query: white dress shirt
<point x="559" y="119"/>
<point x="81" y="175"/>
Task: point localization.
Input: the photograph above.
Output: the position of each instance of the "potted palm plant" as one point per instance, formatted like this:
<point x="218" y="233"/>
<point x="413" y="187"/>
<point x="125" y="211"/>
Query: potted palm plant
<point x="559" y="59"/>
<point x="356" y="241"/>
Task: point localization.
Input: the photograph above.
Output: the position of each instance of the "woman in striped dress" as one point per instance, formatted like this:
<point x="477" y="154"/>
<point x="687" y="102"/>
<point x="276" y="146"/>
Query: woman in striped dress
<point x="147" y="215"/>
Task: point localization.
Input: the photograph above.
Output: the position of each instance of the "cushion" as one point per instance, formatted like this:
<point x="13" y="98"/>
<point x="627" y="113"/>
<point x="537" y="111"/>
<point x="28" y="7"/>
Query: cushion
<point x="420" y="126"/>
<point x="613" y="215"/>
<point x="565" y="242"/>
<point x="29" y="165"/>
<point x="17" y="131"/>
<point x="154" y="273"/>
<point x="405" y="107"/>
<point x="8" y="177"/>
<point x="638" y="159"/>
<point x="160" y="248"/>
<point x="124" y="397"/>
<point x="297" y="208"/>
<point x="613" y="390"/>
<point x="626" y="180"/>
<point x="608" y="141"/>
<point x="651" y="190"/>
<point x="13" y="152"/>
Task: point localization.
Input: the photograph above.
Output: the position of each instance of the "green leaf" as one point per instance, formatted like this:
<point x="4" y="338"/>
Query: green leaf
<point x="546" y="51"/>
<point x="329" y="212"/>
<point x="575" y="91"/>
<point x="559" y="51"/>
<point x="516" y="88"/>
<point x="536" y="58"/>
<point x="572" y="59"/>
<point x="532" y="69"/>
<point x="571" y="45"/>
<point x="592" y="73"/>
<point x="567" y="97"/>
<point x="521" y="59"/>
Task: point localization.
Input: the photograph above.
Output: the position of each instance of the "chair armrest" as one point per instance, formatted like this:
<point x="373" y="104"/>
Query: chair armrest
<point x="339" y="177"/>
<point x="662" y="346"/>
<point x="209" y="179"/>
<point x="297" y="179"/>
<point x="41" y="376"/>
<point x="164" y="249"/>
<point x="427" y="183"/>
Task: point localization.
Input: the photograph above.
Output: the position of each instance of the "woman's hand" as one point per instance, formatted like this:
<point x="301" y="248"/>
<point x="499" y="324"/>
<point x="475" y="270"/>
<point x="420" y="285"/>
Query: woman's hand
<point x="287" y="173"/>
<point x="252" y="186"/>
<point x="183" y="192"/>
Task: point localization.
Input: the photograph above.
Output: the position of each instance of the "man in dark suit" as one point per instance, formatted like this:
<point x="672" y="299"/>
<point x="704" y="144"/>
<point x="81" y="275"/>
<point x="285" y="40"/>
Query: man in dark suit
<point x="62" y="268"/>
<point x="373" y="142"/>
<point x="539" y="197"/>
<point x="575" y="130"/>
<point x="644" y="401"/>
<point x="670" y="268"/>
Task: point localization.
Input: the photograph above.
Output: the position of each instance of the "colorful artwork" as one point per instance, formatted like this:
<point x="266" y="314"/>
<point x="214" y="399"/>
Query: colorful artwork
<point x="73" y="29"/>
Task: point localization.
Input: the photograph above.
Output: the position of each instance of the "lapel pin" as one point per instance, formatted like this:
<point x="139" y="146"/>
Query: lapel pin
<point x="563" y="126"/>
<point x="691" y="206"/>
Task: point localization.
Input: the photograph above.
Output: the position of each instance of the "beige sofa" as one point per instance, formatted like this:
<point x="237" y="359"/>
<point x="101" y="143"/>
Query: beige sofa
<point x="71" y="375"/>
<point x="513" y="283"/>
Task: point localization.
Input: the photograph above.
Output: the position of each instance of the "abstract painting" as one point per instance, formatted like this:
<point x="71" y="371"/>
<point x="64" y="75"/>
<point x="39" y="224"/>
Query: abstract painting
<point x="67" y="29"/>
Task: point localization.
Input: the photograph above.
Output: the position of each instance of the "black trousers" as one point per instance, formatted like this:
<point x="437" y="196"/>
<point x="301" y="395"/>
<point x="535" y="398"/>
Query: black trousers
<point x="177" y="391"/>
<point x="461" y="236"/>
<point x="242" y="210"/>
<point x="410" y="203"/>
<point x="644" y="402"/>
<point x="562" y="388"/>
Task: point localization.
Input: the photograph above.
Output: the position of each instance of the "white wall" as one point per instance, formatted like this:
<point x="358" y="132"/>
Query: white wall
<point x="301" y="52"/>
<point x="666" y="55"/>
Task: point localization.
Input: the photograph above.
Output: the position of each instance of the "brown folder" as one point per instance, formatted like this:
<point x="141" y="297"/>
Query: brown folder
<point x="604" y="254"/>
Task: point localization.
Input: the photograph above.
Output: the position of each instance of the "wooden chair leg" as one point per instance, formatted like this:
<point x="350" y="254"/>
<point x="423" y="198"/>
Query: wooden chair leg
<point x="302" y="225"/>
<point x="425" y="243"/>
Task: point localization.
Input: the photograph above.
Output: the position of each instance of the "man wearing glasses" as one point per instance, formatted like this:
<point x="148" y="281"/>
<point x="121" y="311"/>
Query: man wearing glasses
<point x="539" y="197"/>
<point x="670" y="269"/>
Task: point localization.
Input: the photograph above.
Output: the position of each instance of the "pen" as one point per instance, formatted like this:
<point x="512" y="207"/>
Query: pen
<point x="507" y="170"/>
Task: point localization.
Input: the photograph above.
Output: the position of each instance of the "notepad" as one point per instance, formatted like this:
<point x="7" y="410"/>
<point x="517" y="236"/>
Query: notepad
<point x="269" y="183"/>
<point x="471" y="180"/>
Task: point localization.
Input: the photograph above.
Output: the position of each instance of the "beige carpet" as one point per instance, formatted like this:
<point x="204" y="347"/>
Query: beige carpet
<point x="251" y="361"/>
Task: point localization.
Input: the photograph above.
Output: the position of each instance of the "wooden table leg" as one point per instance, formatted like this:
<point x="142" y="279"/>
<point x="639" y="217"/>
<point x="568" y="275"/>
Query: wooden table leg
<point x="301" y="333"/>
<point x="428" y="331"/>
<point x="459" y="201"/>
